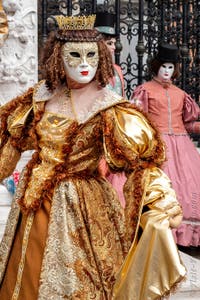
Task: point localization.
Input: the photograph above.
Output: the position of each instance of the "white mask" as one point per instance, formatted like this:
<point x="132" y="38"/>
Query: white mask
<point x="165" y="71"/>
<point x="80" y="60"/>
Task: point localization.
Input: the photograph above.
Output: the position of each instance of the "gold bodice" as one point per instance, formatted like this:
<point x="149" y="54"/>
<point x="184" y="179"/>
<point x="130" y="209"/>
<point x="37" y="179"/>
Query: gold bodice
<point x="52" y="131"/>
<point x="78" y="153"/>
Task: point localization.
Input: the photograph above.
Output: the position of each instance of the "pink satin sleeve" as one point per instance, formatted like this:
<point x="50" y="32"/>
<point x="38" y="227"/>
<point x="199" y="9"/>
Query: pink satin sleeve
<point x="140" y="98"/>
<point x="191" y="110"/>
<point x="193" y="127"/>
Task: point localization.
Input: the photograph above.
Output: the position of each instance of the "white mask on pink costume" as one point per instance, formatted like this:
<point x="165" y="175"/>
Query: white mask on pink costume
<point x="165" y="71"/>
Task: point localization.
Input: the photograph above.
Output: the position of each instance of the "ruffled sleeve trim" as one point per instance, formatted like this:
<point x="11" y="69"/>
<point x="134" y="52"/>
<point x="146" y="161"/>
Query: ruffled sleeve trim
<point x="191" y="110"/>
<point x="140" y="97"/>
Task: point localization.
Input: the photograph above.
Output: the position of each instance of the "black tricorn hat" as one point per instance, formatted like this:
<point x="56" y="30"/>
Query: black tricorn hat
<point x="105" y="22"/>
<point x="167" y="53"/>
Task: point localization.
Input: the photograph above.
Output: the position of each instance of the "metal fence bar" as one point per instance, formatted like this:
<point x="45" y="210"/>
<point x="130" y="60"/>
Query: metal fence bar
<point x="140" y="45"/>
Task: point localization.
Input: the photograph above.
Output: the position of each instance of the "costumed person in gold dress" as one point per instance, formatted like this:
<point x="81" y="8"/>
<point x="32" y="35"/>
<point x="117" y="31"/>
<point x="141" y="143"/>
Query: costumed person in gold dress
<point x="67" y="236"/>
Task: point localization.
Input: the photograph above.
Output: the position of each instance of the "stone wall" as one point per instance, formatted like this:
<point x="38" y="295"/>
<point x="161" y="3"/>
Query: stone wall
<point x="18" y="68"/>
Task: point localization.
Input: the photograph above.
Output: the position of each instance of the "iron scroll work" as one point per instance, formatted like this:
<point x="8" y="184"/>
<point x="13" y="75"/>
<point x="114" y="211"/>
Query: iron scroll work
<point x="140" y="26"/>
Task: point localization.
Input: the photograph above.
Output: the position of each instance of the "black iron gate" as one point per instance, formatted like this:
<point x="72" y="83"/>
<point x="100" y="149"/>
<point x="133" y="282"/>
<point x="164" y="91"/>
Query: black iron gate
<point x="140" y="26"/>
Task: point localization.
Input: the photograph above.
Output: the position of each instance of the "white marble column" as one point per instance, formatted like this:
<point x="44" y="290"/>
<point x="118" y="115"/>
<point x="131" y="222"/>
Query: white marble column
<point x="18" y="68"/>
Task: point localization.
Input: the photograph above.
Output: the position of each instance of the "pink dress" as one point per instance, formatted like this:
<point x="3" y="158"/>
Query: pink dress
<point x="116" y="179"/>
<point x="172" y="111"/>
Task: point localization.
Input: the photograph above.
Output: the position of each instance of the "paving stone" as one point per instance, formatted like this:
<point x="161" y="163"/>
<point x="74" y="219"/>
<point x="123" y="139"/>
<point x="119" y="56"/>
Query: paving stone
<point x="189" y="289"/>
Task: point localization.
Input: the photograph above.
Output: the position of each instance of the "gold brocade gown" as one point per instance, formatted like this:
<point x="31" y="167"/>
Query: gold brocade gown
<point x="72" y="240"/>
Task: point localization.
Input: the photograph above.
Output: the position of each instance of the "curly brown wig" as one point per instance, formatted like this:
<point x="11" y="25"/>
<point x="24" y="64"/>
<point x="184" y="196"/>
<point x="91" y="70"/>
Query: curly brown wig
<point x="52" y="67"/>
<point x="155" y="65"/>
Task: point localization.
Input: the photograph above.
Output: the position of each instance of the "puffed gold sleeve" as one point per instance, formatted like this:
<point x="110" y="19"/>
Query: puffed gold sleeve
<point x="14" y="137"/>
<point x="132" y="143"/>
<point x="129" y="138"/>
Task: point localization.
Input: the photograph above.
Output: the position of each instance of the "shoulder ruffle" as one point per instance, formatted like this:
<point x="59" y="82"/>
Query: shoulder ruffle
<point x="130" y="138"/>
<point x="41" y="92"/>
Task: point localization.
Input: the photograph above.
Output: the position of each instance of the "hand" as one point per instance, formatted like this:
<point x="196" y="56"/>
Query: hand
<point x="175" y="216"/>
<point x="175" y="221"/>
